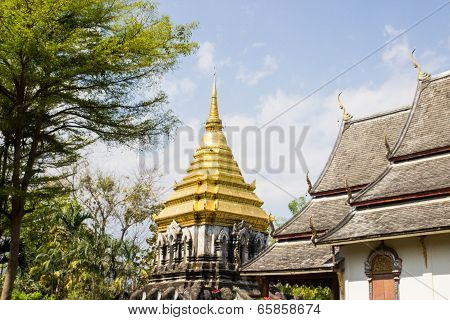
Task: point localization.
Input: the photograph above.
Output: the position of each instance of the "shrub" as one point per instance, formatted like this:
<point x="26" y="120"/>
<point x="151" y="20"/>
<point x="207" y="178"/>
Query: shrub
<point x="304" y="292"/>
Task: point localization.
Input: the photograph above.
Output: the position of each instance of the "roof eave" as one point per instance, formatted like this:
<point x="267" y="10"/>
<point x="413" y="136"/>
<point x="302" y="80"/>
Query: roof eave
<point x="325" y="269"/>
<point x="402" y="198"/>
<point x="391" y="236"/>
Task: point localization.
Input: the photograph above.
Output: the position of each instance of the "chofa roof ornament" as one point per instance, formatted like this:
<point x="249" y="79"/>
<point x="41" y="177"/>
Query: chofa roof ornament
<point x="308" y="181"/>
<point x="345" y="115"/>
<point x="349" y="192"/>
<point x="388" y="147"/>
<point x="313" y="231"/>
<point x="421" y="75"/>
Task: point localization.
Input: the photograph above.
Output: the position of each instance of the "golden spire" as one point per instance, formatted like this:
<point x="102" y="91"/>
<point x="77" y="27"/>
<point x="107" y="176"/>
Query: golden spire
<point x="213" y="191"/>
<point x="214" y="122"/>
<point x="213" y="135"/>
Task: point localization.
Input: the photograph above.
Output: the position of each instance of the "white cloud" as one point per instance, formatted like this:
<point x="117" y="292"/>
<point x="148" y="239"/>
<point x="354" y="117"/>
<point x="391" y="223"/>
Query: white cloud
<point x="174" y="87"/>
<point x="226" y="62"/>
<point x="320" y="113"/>
<point x="396" y="54"/>
<point x="433" y="62"/>
<point x="258" y="44"/>
<point x="206" y="59"/>
<point x="206" y="56"/>
<point x="254" y="45"/>
<point x="270" y="65"/>
<point x="390" y="31"/>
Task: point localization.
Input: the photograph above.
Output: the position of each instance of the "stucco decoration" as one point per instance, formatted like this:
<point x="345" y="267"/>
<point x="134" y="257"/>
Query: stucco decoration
<point x="241" y="232"/>
<point x="173" y="229"/>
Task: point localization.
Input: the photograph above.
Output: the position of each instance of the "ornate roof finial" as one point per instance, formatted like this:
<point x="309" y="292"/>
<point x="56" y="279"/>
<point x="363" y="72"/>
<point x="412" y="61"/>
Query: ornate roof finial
<point x="309" y="183"/>
<point x="421" y="75"/>
<point x="345" y="116"/>
<point x="349" y="192"/>
<point x="237" y="258"/>
<point x="271" y="224"/>
<point x="313" y="231"/>
<point x="388" y="147"/>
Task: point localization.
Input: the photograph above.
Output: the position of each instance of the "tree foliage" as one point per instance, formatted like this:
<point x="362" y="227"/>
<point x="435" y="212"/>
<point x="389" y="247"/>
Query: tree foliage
<point x="297" y="204"/>
<point x="68" y="76"/>
<point x="67" y="254"/>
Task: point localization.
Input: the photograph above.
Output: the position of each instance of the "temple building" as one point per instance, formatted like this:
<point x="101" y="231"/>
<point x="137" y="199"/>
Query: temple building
<point x="358" y="157"/>
<point x="377" y="225"/>
<point x="395" y="242"/>
<point x="210" y="225"/>
<point x="379" y="219"/>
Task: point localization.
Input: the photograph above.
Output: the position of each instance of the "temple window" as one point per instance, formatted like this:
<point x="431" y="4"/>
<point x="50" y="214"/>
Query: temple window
<point x="171" y="249"/>
<point x="184" y="250"/>
<point x="224" y="249"/>
<point x="244" y="253"/>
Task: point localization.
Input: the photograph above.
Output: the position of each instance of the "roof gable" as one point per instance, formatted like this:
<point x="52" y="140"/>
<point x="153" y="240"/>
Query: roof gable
<point x="292" y="257"/>
<point x="417" y="217"/>
<point x="359" y="155"/>
<point x="408" y="179"/>
<point x="325" y="213"/>
<point x="428" y="124"/>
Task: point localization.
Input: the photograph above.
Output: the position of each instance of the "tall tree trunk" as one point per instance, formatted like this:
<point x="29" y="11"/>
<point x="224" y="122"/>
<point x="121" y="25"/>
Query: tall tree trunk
<point x="13" y="261"/>
<point x="17" y="206"/>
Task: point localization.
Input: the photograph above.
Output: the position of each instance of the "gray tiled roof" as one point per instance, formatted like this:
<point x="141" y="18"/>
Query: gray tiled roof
<point x="409" y="177"/>
<point x="393" y="220"/>
<point x="360" y="153"/>
<point x="291" y="256"/>
<point x="326" y="212"/>
<point x="428" y="125"/>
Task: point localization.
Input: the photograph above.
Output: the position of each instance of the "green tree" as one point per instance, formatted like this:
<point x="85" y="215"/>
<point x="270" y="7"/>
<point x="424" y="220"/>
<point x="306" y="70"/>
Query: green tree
<point x="67" y="73"/>
<point x="123" y="211"/>
<point x="297" y="204"/>
<point x="69" y="250"/>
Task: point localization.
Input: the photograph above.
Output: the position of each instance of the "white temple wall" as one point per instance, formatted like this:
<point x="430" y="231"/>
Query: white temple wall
<point x="355" y="281"/>
<point x="417" y="281"/>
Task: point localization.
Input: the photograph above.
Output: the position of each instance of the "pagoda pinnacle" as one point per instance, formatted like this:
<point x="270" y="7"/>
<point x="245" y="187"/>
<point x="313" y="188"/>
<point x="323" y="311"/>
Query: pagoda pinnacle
<point x="214" y="121"/>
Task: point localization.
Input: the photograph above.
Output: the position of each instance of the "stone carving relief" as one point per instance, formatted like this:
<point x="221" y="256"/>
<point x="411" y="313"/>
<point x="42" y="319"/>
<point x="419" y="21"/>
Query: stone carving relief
<point x="173" y="229"/>
<point x="219" y="247"/>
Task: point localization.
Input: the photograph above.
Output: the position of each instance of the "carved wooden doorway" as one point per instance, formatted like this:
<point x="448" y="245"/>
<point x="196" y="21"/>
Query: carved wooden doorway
<point x="383" y="287"/>
<point x="383" y="268"/>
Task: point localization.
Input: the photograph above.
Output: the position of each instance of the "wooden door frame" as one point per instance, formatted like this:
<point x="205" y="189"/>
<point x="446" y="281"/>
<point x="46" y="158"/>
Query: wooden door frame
<point x="395" y="272"/>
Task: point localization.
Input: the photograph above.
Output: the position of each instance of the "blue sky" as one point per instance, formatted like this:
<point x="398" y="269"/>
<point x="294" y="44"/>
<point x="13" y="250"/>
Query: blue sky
<point x="270" y="54"/>
<point x="310" y="41"/>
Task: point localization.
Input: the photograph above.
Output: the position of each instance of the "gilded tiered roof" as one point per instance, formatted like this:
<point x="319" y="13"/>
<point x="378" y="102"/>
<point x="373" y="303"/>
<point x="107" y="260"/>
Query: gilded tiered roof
<point x="213" y="191"/>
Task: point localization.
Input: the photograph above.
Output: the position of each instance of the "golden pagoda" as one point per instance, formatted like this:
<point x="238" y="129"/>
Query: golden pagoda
<point x="211" y="224"/>
<point x="213" y="191"/>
